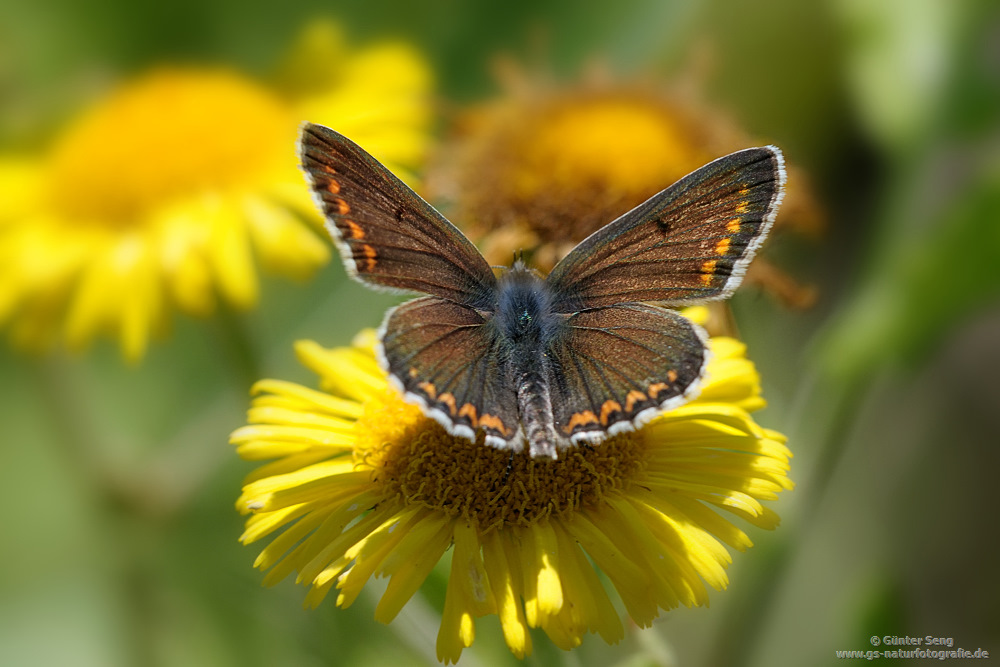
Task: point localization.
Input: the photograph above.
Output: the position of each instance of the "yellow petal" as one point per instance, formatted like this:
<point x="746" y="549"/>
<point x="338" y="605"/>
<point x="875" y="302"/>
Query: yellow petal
<point x="308" y="399"/>
<point x="468" y="595"/>
<point x="118" y="291"/>
<point x="628" y="578"/>
<point x="347" y="372"/>
<point x="285" y="245"/>
<point x="229" y="253"/>
<point x="507" y="594"/>
<point x="588" y="599"/>
<point x="544" y="596"/>
<point x="414" y="557"/>
<point x="370" y="552"/>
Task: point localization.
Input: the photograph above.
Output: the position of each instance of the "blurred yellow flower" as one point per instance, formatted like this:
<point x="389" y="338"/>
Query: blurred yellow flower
<point x="364" y="484"/>
<point x="169" y="190"/>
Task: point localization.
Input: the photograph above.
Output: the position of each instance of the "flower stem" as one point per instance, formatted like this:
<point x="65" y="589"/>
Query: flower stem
<point x="78" y="442"/>
<point x="237" y="346"/>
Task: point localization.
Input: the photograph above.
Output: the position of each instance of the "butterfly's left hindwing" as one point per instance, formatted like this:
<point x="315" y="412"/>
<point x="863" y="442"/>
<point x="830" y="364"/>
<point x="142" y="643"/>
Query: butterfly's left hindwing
<point x="690" y="243"/>
<point x="620" y="366"/>
<point x="445" y="357"/>
<point x="389" y="236"/>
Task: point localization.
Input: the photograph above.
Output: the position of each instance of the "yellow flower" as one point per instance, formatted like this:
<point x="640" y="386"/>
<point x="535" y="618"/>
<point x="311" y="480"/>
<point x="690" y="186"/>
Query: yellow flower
<point x="365" y="485"/>
<point x="170" y="190"/>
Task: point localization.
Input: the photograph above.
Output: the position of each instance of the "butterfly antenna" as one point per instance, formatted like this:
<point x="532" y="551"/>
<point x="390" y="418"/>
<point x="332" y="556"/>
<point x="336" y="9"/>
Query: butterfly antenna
<point x="518" y="259"/>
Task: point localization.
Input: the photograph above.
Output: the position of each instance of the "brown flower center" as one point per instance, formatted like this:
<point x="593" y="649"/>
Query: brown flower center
<point x="417" y="462"/>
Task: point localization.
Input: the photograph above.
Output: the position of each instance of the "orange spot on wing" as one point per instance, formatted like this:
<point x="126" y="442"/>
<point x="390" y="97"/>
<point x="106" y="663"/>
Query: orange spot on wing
<point x="722" y="246"/>
<point x="413" y="373"/>
<point x="448" y="400"/>
<point x="428" y="388"/>
<point x="608" y="408"/>
<point x="342" y="206"/>
<point x="632" y="398"/>
<point x="707" y="271"/>
<point x="333" y="187"/>
<point x="468" y="410"/>
<point x="354" y="229"/>
<point x="495" y="423"/>
<point x="742" y="207"/>
<point x="656" y="388"/>
<point x="744" y="191"/>
<point x="733" y="225"/>
<point x="370" y="255"/>
<point x="580" y="419"/>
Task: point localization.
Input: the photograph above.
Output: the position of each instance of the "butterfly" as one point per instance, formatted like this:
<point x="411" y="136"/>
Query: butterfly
<point x="551" y="362"/>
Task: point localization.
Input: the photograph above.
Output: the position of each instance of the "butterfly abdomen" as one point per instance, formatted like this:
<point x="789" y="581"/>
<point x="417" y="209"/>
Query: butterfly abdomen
<point x="526" y="325"/>
<point x="534" y="402"/>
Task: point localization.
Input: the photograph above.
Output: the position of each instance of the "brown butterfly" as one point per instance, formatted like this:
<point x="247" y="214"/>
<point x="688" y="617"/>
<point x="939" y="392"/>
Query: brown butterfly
<point x="554" y="361"/>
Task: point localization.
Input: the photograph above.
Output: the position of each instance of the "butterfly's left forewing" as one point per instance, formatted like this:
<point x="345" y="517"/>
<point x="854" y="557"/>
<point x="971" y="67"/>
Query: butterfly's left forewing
<point x="690" y="243"/>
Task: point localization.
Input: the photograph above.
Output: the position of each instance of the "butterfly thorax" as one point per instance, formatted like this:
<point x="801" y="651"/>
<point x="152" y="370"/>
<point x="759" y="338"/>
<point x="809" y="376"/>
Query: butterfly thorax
<point x="527" y="325"/>
<point x="524" y="307"/>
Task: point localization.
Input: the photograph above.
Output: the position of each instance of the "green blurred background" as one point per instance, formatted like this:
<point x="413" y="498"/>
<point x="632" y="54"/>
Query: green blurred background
<point x="119" y="535"/>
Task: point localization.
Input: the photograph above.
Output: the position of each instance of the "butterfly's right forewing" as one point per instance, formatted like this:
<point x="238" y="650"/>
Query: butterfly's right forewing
<point x="389" y="237"/>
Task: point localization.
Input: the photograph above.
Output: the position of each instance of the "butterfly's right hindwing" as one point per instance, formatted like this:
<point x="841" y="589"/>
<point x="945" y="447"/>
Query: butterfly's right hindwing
<point x="388" y="236"/>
